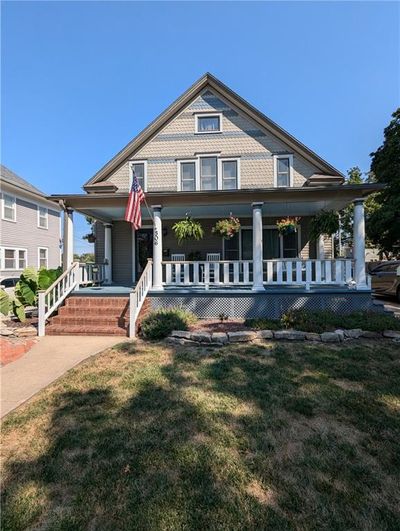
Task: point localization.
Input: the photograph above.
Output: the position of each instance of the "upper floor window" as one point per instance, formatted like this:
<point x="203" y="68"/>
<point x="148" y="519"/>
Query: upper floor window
<point x="188" y="176"/>
<point x="13" y="258"/>
<point x="140" y="170"/>
<point x="43" y="253"/>
<point x="43" y="217"/>
<point x="208" y="123"/>
<point x="283" y="165"/>
<point x="229" y="174"/>
<point x="208" y="173"/>
<point x="9" y="207"/>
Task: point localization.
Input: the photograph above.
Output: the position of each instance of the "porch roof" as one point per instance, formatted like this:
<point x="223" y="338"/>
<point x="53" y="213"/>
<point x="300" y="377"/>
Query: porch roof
<point x="302" y="201"/>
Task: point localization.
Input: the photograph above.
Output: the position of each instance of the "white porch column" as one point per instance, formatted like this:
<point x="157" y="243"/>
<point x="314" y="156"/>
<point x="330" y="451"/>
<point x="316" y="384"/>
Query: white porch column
<point x="68" y="238"/>
<point x="359" y="245"/>
<point x="108" y="252"/>
<point x="320" y="247"/>
<point x="257" y="247"/>
<point x="157" y="247"/>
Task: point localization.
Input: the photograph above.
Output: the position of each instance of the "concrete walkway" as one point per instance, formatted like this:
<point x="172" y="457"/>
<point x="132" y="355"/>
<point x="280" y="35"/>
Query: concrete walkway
<point x="49" y="359"/>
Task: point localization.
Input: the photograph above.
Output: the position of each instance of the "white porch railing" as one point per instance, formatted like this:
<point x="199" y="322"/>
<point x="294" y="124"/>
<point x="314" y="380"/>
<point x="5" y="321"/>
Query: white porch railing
<point x="90" y="273"/>
<point x="50" y="300"/>
<point x="308" y="272"/>
<point x="207" y="273"/>
<point x="138" y="295"/>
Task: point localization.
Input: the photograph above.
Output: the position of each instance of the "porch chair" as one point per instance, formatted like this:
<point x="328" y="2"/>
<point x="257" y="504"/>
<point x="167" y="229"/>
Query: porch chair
<point x="213" y="257"/>
<point x="178" y="257"/>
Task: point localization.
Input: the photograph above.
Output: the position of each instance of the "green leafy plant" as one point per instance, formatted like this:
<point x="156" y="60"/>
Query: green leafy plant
<point x="227" y="228"/>
<point x="287" y="225"/>
<point x="188" y="229"/>
<point x="159" y="324"/>
<point x="223" y="317"/>
<point x="325" y="222"/>
<point x="5" y="303"/>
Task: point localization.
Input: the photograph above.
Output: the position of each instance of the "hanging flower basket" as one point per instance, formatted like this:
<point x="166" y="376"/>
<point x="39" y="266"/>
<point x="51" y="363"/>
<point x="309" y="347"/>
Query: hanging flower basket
<point x="287" y="225"/>
<point x="188" y="229"/>
<point x="91" y="238"/>
<point x="325" y="222"/>
<point x="227" y="228"/>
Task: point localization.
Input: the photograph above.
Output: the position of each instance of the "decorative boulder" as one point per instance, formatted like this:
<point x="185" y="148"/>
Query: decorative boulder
<point x="341" y="334"/>
<point x="219" y="337"/>
<point x="265" y="334"/>
<point x="202" y="337"/>
<point x="240" y="337"/>
<point x="292" y="335"/>
<point x="354" y="333"/>
<point x="312" y="336"/>
<point x="392" y="334"/>
<point x="181" y="333"/>
<point x="330" y="337"/>
<point x="371" y="335"/>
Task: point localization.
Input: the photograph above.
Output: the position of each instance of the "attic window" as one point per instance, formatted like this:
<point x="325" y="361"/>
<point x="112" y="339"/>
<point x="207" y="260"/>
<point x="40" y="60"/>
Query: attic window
<point x="208" y="123"/>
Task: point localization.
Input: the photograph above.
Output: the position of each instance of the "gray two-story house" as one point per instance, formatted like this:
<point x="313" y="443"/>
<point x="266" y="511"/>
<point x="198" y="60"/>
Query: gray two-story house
<point x="30" y="229"/>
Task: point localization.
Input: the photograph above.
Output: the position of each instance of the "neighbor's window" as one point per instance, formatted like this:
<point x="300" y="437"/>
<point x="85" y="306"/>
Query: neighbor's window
<point x="9" y="207"/>
<point x="14" y="258"/>
<point x="188" y="176"/>
<point x="229" y="174"/>
<point x="283" y="168"/>
<point x="208" y="173"/>
<point x="208" y="124"/>
<point x="43" y="217"/>
<point x="139" y="170"/>
<point x="43" y="257"/>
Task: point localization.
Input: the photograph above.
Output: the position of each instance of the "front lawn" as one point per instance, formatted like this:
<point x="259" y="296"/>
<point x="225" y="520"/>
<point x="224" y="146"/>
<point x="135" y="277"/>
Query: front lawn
<point x="245" y="437"/>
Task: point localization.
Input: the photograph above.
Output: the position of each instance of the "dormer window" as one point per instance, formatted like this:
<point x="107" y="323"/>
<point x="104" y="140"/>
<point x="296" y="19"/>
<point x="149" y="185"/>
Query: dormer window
<point x="208" y="123"/>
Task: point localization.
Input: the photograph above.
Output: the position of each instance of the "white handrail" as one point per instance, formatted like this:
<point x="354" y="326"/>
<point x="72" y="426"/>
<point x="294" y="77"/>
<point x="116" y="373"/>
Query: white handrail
<point x="138" y="295"/>
<point x="50" y="300"/>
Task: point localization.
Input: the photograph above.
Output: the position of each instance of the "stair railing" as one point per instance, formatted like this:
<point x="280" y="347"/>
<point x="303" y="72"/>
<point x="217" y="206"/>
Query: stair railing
<point x="50" y="300"/>
<point x="138" y="295"/>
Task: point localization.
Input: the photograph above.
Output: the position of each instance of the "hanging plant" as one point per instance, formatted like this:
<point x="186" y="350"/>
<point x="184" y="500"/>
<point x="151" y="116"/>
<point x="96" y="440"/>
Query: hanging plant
<point x="287" y="225"/>
<point x="91" y="238"/>
<point x="188" y="229"/>
<point x="325" y="222"/>
<point x="227" y="228"/>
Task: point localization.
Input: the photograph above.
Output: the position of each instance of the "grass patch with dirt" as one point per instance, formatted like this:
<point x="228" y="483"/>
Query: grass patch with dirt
<point x="261" y="436"/>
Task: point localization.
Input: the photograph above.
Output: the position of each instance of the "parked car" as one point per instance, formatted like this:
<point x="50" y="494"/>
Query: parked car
<point x="385" y="278"/>
<point x="8" y="284"/>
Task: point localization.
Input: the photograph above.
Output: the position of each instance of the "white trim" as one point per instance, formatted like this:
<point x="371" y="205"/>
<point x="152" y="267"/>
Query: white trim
<point x="46" y="217"/>
<point x="47" y="257"/>
<point x="14" y="207"/>
<point x="3" y="260"/>
<point x="131" y="163"/>
<point x="283" y="156"/>
<point x="208" y="115"/>
<point x="220" y="173"/>
<point x="179" y="172"/>
<point x="196" y="161"/>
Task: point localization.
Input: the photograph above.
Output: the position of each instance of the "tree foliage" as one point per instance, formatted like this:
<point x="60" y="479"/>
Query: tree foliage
<point x="384" y="222"/>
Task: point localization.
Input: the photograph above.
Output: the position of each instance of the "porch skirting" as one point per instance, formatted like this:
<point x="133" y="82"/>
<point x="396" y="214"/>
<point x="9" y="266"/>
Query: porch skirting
<point x="271" y="304"/>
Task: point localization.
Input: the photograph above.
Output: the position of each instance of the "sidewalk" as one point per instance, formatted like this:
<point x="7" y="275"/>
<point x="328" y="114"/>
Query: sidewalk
<point x="49" y="359"/>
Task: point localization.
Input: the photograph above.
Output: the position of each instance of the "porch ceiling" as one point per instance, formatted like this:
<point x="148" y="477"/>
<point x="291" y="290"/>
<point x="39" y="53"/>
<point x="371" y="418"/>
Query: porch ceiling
<point x="277" y="202"/>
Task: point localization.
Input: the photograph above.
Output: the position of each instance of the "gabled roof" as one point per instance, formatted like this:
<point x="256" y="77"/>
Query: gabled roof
<point x="12" y="178"/>
<point x="211" y="82"/>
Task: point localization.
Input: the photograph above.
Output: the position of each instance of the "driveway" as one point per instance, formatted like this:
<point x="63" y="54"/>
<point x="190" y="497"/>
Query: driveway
<point x="49" y="359"/>
<point x="390" y="304"/>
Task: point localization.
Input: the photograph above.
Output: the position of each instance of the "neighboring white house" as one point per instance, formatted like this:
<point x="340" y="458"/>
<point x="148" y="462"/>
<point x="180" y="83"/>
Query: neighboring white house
<point x="30" y="227"/>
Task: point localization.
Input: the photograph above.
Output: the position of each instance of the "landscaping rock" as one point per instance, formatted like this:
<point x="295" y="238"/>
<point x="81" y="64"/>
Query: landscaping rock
<point x="265" y="334"/>
<point x="330" y="337"/>
<point x="26" y="331"/>
<point x="180" y="341"/>
<point x="239" y="337"/>
<point x="392" y="334"/>
<point x="312" y="336"/>
<point x="292" y="335"/>
<point x="340" y="333"/>
<point x="370" y="335"/>
<point x="354" y="333"/>
<point x="181" y="333"/>
<point x="219" y="337"/>
<point x="201" y="337"/>
<point x="6" y="331"/>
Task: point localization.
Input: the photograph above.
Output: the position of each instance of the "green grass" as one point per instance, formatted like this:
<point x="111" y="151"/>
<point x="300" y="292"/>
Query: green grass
<point x="260" y="436"/>
<point x="326" y="321"/>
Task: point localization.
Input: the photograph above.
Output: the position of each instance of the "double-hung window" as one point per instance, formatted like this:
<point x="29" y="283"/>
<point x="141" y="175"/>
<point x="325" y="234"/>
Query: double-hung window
<point x="283" y="170"/>
<point x="43" y="218"/>
<point x="188" y="176"/>
<point x="43" y="257"/>
<point x="14" y="258"/>
<point x="229" y="170"/>
<point x="9" y="207"/>
<point x="208" y="173"/>
<point x="140" y="169"/>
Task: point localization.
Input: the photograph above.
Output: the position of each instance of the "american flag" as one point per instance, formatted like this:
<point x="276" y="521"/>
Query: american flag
<point x="136" y="196"/>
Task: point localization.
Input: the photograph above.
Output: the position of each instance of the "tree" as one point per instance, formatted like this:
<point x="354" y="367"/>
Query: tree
<point x="384" y="222"/>
<point x="347" y="214"/>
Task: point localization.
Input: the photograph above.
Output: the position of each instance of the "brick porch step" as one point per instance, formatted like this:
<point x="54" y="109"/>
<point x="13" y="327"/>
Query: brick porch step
<point x="84" y="330"/>
<point x="90" y="319"/>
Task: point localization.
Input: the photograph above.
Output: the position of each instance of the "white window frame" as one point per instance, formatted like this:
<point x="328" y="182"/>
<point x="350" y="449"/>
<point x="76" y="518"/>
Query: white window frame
<point x="47" y="257"/>
<point x="46" y="217"/>
<point x="14" y="207"/>
<point x="276" y="158"/>
<point x="196" y="161"/>
<point x="17" y="250"/>
<point x="131" y="164"/>
<point x="208" y="115"/>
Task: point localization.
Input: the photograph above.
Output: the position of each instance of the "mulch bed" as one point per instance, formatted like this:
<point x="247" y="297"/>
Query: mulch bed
<point x="214" y="325"/>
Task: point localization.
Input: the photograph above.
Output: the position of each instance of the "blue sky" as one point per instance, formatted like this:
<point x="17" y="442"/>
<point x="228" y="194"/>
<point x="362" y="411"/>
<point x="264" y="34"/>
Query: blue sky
<point x="81" y="79"/>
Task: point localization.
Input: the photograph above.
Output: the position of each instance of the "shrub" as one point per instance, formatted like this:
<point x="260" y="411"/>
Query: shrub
<point x="159" y="324"/>
<point x="263" y="324"/>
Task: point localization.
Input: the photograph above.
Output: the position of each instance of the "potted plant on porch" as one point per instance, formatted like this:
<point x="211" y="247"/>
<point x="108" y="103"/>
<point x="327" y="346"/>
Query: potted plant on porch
<point x="287" y="225"/>
<point x="227" y="228"/>
<point x="326" y="222"/>
<point x="188" y="229"/>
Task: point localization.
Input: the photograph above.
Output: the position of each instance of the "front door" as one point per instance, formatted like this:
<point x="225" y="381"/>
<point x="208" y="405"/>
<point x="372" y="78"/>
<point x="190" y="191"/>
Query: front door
<point x="144" y="249"/>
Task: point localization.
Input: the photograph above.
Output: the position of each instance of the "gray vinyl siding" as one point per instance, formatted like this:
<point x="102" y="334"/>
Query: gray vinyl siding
<point x="122" y="272"/>
<point x="99" y="243"/>
<point x="25" y="233"/>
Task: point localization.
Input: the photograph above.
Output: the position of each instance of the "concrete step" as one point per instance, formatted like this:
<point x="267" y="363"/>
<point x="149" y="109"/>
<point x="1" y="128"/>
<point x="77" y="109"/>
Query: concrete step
<point x="84" y="330"/>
